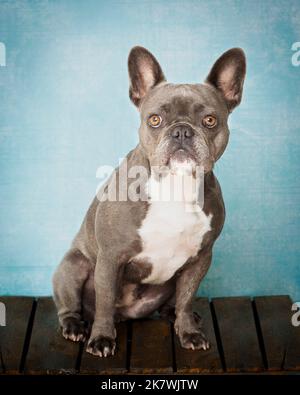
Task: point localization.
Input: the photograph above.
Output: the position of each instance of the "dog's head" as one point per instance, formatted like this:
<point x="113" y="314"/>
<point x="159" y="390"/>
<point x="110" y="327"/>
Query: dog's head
<point x="185" y="123"/>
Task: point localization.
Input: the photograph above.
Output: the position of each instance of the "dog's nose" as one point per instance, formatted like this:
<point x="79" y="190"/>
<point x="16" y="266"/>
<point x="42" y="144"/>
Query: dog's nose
<point x="182" y="132"/>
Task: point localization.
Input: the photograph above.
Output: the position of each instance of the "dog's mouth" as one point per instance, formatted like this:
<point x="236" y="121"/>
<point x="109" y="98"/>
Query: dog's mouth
<point x="182" y="158"/>
<point x="182" y="155"/>
<point x="182" y="161"/>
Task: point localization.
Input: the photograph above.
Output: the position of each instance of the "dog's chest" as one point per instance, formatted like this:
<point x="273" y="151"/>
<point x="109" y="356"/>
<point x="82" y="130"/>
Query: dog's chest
<point x="171" y="233"/>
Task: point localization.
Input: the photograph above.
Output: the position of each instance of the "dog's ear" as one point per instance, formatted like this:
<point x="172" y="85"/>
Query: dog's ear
<point x="144" y="73"/>
<point x="228" y="74"/>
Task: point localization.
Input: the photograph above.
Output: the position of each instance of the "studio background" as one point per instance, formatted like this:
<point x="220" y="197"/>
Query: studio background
<point x="65" y="111"/>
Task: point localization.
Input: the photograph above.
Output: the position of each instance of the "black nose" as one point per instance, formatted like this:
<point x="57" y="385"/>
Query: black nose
<point x="182" y="132"/>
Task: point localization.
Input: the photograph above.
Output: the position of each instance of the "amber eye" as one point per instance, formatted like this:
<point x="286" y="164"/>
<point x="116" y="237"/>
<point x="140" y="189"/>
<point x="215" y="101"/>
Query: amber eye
<point x="209" y="121"/>
<point x="155" y="121"/>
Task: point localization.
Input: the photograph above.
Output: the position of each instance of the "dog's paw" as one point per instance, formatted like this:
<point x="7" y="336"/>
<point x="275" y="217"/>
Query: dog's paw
<point x="101" y="346"/>
<point x="194" y="341"/>
<point x="73" y="329"/>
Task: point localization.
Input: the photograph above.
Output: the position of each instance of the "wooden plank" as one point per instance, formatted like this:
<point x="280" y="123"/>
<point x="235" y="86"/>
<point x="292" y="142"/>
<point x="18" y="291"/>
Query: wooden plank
<point x="49" y="352"/>
<point x="200" y="361"/>
<point x="292" y="359"/>
<point x="12" y="336"/>
<point x="238" y="334"/>
<point x="116" y="364"/>
<point x="1" y="361"/>
<point x="274" y="315"/>
<point x="151" y="350"/>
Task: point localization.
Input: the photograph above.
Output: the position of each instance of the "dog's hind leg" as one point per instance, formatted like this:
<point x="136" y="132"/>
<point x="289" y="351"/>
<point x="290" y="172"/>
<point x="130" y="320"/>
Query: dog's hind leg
<point x="167" y="310"/>
<point x="68" y="283"/>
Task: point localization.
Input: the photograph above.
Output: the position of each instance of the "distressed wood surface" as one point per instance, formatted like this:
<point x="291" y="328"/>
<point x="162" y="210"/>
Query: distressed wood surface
<point x="49" y="352"/>
<point x="12" y="336"/>
<point x="245" y="336"/>
<point x="239" y="339"/>
<point x="292" y="358"/>
<point x="151" y="349"/>
<point x="274" y="315"/>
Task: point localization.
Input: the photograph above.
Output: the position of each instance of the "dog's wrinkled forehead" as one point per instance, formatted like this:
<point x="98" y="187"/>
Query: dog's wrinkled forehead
<point x="182" y="100"/>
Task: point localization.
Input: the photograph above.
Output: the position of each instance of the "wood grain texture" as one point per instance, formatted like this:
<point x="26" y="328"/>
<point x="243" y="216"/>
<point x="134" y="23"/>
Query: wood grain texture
<point x="148" y="347"/>
<point x="151" y="350"/>
<point x="12" y="336"/>
<point x="274" y="315"/>
<point x="116" y="364"/>
<point x="200" y="361"/>
<point x="49" y="352"/>
<point x="238" y="334"/>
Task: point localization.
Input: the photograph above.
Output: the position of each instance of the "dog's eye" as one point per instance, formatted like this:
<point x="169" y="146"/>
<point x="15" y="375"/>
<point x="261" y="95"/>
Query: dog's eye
<point x="209" y="121"/>
<point x="155" y="121"/>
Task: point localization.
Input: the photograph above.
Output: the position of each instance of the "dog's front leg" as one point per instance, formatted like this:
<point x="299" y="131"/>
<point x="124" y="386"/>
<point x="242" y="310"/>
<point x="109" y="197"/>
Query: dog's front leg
<point x="186" y="324"/>
<point x="102" y="341"/>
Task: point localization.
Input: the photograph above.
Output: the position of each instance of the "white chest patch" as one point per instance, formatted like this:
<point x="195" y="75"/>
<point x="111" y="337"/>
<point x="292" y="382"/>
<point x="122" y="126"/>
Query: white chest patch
<point x="171" y="233"/>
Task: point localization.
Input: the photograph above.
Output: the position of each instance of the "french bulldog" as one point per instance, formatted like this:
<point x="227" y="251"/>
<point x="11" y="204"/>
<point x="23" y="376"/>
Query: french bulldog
<point x="134" y="257"/>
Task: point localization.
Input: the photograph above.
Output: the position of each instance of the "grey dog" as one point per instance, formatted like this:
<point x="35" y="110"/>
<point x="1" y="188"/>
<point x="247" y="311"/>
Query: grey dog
<point x="132" y="257"/>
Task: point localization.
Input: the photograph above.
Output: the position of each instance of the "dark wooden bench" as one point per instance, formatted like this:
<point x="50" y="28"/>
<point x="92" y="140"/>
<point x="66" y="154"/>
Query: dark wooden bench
<point x="246" y="335"/>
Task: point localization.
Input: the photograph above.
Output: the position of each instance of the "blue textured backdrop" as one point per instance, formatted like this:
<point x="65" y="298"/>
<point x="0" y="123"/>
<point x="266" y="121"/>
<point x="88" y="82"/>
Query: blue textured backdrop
<point x="64" y="111"/>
